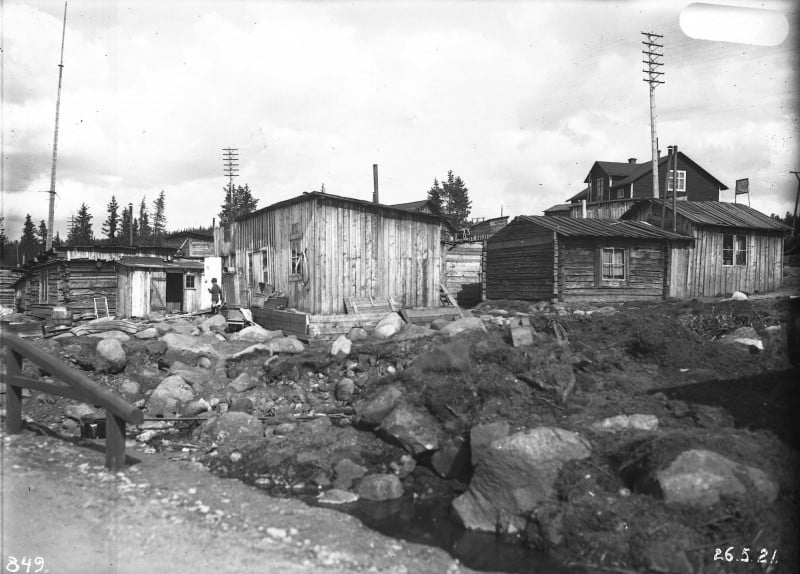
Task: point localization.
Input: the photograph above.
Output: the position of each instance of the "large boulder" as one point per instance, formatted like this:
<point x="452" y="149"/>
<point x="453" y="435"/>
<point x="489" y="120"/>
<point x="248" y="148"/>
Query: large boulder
<point x="285" y="345"/>
<point x="514" y="475"/>
<point x="192" y="375"/>
<point x="147" y="333"/>
<point x="483" y="435"/>
<point x="746" y="336"/>
<point x="388" y="326"/>
<point x="700" y="477"/>
<point x="461" y="325"/>
<point x="380" y="487"/>
<point x="244" y="382"/>
<point x="341" y="345"/>
<point x="371" y="412"/>
<point x="624" y="422"/>
<point x="187" y="349"/>
<point x="214" y="324"/>
<point x="256" y="333"/>
<point x="233" y="429"/>
<point x="346" y="472"/>
<point x="413" y="429"/>
<point x="169" y="396"/>
<point x="111" y="357"/>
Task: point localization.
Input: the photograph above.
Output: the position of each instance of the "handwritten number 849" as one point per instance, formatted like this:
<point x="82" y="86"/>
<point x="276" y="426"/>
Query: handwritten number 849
<point x="24" y="564"/>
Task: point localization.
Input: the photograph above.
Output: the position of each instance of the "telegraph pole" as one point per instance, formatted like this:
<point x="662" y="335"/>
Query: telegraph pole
<point x="652" y="55"/>
<point x="230" y="158"/>
<point x="52" y="210"/>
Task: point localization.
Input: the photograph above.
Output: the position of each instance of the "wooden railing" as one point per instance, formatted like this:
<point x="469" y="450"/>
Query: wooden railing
<point x="78" y="387"/>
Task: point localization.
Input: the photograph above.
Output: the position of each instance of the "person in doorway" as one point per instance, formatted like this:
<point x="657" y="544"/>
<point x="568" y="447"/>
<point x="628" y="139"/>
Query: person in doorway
<point x="216" y="293"/>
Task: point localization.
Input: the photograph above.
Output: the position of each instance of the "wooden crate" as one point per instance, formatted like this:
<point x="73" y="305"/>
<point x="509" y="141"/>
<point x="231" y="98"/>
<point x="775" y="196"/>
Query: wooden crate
<point x="273" y="319"/>
<point x="331" y="326"/>
<point x="424" y="316"/>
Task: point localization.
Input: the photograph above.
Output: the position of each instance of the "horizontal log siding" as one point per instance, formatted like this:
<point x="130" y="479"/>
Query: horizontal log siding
<point x="520" y="263"/>
<point x="73" y="284"/>
<point x="644" y="273"/>
<point x="463" y="271"/>
<point x="352" y="251"/>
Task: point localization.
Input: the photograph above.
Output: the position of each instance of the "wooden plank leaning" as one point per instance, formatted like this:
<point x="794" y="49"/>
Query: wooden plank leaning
<point x="77" y="386"/>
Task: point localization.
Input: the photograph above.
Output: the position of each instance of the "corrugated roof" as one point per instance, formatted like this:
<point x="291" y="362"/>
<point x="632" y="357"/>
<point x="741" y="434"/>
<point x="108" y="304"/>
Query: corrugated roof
<point x="559" y="207"/>
<point x="721" y="214"/>
<point x="574" y="227"/>
<point x="145" y="262"/>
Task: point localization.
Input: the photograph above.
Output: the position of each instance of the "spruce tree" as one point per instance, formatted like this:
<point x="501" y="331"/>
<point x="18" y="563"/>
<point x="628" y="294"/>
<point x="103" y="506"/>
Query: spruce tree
<point x="243" y="203"/>
<point x="111" y="224"/>
<point x="451" y="199"/>
<point x="42" y="233"/>
<point x="28" y="245"/>
<point x="125" y="227"/>
<point x="435" y="199"/>
<point x="81" y="232"/>
<point x="145" y="232"/>
<point x="3" y="240"/>
<point x="159" y="218"/>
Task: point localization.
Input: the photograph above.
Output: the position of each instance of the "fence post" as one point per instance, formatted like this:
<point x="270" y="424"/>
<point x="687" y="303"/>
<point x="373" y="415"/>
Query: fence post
<point x="115" y="442"/>
<point x="13" y="393"/>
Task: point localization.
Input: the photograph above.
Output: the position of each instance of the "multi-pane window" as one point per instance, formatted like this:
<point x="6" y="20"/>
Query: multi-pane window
<point x="297" y="259"/>
<point x="189" y="281"/>
<point x="613" y="263"/>
<point x="598" y="189"/>
<point x="681" y="182"/>
<point x="734" y="249"/>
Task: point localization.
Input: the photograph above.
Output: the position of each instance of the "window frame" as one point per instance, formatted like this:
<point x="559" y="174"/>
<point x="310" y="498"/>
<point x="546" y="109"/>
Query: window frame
<point x="611" y="279"/>
<point x="44" y="286"/>
<point x="296" y="253"/>
<point x="186" y="278"/>
<point x="681" y="180"/>
<point x="599" y="183"/>
<point x="738" y="250"/>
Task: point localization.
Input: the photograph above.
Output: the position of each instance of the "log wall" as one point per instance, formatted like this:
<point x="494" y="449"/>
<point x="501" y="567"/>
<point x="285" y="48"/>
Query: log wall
<point x="521" y="263"/>
<point x="464" y="271"/>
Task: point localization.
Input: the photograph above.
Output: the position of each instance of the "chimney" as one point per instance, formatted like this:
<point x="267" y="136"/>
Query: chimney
<point x="375" y="183"/>
<point x="631" y="160"/>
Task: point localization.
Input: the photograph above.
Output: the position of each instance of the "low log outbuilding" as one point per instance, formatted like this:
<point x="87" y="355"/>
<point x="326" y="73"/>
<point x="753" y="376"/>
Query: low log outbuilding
<point x="540" y="257"/>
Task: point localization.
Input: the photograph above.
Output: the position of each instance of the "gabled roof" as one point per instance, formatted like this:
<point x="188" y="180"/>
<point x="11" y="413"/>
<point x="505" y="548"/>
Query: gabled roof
<point x="718" y="214"/>
<point x="411" y="205"/>
<point x="583" y="194"/>
<point x="613" y="168"/>
<point x="327" y="197"/>
<point x="574" y="227"/>
<point x="646" y="169"/>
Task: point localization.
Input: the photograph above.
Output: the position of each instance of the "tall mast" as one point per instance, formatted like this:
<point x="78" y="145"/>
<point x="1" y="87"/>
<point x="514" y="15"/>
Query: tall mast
<point x="51" y="213"/>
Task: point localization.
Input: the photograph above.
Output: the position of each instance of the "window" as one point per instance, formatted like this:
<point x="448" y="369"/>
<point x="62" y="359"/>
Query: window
<point x="190" y="281"/>
<point x="599" y="189"/>
<point x="621" y="193"/>
<point x="681" y="180"/>
<point x="297" y="258"/>
<point x="734" y="249"/>
<point x="613" y="264"/>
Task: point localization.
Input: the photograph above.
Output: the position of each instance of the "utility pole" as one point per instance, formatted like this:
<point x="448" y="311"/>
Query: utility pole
<point x="795" y="223"/>
<point x="52" y="209"/>
<point x="230" y="158"/>
<point x="653" y="78"/>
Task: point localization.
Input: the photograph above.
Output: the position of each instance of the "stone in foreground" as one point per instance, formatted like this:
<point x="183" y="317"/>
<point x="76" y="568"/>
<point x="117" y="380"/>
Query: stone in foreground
<point x="379" y="487"/>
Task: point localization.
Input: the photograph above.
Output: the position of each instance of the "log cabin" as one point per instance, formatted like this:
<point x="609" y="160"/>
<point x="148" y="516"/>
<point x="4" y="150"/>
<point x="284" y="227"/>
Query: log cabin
<point x="579" y="260"/>
<point x="735" y="247"/>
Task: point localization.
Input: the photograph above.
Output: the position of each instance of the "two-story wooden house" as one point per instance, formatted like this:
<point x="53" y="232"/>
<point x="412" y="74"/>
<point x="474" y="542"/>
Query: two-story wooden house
<point x="614" y="187"/>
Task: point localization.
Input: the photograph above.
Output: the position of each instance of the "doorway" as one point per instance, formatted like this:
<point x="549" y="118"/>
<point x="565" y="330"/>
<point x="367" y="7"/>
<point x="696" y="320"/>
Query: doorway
<point x="174" y="292"/>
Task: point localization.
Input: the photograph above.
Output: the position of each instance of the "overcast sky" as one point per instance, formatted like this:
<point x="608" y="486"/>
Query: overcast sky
<point x="517" y="98"/>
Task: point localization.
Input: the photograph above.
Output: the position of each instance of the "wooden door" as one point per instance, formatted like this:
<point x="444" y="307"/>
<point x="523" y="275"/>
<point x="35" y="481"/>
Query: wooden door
<point x="158" y="291"/>
<point x="174" y="291"/>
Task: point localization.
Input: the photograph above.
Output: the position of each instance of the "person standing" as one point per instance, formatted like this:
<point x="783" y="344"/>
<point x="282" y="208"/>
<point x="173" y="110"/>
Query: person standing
<point x="216" y="293"/>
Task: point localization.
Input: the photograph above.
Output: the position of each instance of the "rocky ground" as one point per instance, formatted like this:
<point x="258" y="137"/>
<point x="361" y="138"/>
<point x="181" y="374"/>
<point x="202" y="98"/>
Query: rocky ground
<point x="638" y="437"/>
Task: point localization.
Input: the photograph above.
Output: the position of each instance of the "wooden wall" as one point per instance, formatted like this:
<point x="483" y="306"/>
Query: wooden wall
<point x="521" y="263"/>
<point x="352" y="250"/>
<point x="463" y="272"/>
<point x="698" y="271"/>
<point x="7" y="278"/>
<point x="579" y="270"/>
<point x="72" y="284"/>
<point x="142" y="290"/>
<point x="609" y="210"/>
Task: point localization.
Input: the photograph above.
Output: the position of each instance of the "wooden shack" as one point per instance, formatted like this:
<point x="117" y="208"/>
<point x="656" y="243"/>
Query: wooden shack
<point x="8" y="278"/>
<point x="735" y="248"/>
<point x="76" y="277"/>
<point x="146" y="284"/>
<point x="317" y="250"/>
<point x="546" y="257"/>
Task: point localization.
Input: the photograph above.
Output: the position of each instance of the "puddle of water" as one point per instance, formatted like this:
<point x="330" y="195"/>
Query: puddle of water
<point x="430" y="522"/>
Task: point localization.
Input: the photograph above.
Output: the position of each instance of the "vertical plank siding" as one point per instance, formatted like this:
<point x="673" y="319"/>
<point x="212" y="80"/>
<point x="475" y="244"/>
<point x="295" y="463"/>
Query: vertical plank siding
<point x="352" y="250"/>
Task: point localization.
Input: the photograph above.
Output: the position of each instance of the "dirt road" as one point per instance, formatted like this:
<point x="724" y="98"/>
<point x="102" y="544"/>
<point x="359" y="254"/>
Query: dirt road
<point x="62" y="512"/>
